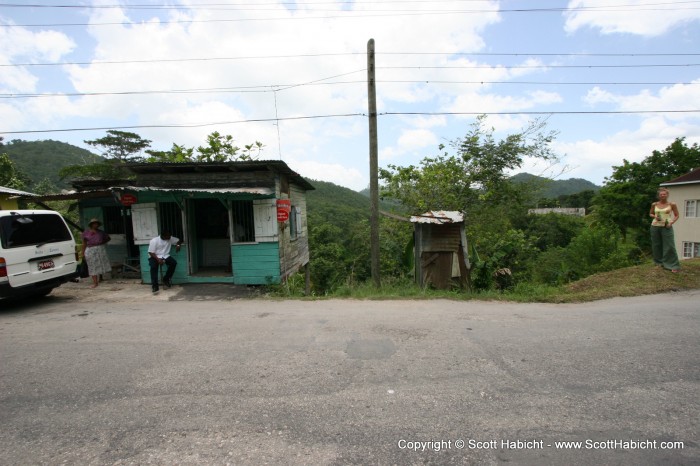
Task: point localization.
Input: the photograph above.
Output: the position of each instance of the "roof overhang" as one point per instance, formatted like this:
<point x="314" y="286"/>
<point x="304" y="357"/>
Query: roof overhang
<point x="438" y="217"/>
<point x="117" y="191"/>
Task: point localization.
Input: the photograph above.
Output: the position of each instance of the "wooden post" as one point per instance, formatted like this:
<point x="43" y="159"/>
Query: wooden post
<point x="373" y="165"/>
<point x="307" y="279"/>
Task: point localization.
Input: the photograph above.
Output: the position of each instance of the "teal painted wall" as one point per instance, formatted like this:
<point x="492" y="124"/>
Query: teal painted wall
<point x="180" y="271"/>
<point x="256" y="264"/>
<point x="253" y="264"/>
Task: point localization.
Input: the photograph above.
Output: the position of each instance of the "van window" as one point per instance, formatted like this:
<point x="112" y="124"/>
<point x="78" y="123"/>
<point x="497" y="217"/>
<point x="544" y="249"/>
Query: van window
<point x="32" y="229"/>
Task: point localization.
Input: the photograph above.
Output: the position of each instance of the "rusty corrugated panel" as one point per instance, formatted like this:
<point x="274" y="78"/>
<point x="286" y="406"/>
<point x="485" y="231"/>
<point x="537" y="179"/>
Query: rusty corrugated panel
<point x="436" y="238"/>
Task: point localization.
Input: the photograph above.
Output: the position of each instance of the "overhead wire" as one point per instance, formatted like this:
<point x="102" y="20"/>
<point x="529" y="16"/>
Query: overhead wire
<point x="310" y="117"/>
<point x="352" y="14"/>
<point x="323" y="81"/>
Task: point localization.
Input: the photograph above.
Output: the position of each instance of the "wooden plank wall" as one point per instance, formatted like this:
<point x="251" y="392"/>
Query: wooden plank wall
<point x="295" y="253"/>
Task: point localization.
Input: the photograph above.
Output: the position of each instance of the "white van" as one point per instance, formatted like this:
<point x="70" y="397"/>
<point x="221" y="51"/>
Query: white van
<point x="37" y="252"/>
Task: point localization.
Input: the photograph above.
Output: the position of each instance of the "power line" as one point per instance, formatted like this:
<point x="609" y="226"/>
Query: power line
<point x="237" y="6"/>
<point x="499" y="67"/>
<point x="264" y="120"/>
<point x="361" y="14"/>
<point x="280" y="87"/>
<point x="338" y="54"/>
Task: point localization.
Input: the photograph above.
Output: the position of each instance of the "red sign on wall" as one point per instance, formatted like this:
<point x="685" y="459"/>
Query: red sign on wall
<point x="284" y="206"/>
<point x="282" y="215"/>
<point x="128" y="199"/>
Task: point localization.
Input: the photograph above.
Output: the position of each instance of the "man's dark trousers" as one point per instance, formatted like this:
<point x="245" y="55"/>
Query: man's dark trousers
<point x="170" y="262"/>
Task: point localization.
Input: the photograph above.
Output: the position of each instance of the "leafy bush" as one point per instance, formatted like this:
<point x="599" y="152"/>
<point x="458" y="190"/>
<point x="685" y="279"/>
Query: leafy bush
<point x="503" y="262"/>
<point x="595" y="249"/>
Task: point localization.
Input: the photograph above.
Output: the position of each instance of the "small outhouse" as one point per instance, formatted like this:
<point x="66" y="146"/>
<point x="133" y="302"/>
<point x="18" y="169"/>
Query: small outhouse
<point x="440" y="248"/>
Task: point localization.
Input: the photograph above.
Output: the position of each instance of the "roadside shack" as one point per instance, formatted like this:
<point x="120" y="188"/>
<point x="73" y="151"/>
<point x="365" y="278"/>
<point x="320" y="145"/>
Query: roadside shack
<point x="243" y="223"/>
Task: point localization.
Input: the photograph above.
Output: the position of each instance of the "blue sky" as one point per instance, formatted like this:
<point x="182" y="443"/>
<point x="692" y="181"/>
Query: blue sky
<point x="282" y="72"/>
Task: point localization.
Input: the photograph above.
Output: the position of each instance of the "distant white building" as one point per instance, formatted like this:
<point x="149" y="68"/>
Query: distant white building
<point x="577" y="211"/>
<point x="685" y="192"/>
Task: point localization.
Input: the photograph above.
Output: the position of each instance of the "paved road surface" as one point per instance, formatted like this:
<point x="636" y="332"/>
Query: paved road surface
<point x="190" y="381"/>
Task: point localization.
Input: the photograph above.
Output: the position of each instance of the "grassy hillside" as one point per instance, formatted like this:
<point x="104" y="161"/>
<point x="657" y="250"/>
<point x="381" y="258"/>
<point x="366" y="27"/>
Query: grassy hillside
<point x="44" y="159"/>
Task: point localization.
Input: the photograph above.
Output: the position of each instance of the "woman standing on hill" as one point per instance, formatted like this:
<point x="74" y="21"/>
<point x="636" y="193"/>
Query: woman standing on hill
<point x="663" y="246"/>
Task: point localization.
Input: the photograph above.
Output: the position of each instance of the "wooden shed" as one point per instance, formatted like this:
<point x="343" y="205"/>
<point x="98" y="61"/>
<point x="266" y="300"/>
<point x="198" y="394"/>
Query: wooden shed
<point x="440" y="249"/>
<point x="242" y="223"/>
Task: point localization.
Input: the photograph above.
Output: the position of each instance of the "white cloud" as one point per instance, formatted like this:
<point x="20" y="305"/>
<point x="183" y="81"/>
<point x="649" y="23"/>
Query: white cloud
<point x="637" y="17"/>
<point x="333" y="172"/>
<point x="678" y="98"/>
<point x="21" y="44"/>
<point x="594" y="159"/>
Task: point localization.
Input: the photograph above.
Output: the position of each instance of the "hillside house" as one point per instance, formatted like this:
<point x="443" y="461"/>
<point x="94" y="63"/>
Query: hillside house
<point x="8" y="198"/>
<point x="242" y="223"/>
<point x="685" y="192"/>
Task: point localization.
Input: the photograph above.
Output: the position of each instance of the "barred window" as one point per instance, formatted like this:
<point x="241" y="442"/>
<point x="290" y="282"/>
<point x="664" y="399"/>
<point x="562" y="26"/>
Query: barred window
<point x="243" y="222"/>
<point x="113" y="220"/>
<point x="170" y="217"/>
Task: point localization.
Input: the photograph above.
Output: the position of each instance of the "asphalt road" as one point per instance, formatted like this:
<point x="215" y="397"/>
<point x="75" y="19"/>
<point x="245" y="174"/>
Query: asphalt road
<point x="195" y="381"/>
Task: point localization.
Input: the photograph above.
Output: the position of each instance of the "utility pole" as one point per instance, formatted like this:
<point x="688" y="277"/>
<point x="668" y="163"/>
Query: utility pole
<point x="373" y="165"/>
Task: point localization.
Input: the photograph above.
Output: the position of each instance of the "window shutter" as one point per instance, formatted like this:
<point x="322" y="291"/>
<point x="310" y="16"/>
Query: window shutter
<point x="265" y="219"/>
<point x="144" y="219"/>
<point x="297" y="214"/>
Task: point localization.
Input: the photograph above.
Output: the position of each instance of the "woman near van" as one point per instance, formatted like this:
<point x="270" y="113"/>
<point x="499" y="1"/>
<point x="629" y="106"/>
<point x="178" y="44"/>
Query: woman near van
<point x="94" y="251"/>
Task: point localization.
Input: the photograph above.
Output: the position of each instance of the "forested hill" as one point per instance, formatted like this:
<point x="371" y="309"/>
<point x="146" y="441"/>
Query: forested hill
<point x="41" y="160"/>
<point x="336" y="205"/>
<point x="554" y="188"/>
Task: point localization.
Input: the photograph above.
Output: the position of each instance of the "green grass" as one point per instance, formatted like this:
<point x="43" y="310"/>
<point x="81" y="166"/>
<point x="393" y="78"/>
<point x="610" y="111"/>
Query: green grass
<point x="638" y="280"/>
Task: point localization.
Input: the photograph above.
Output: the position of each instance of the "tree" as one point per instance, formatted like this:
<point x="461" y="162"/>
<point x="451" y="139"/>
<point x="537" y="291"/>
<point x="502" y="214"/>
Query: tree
<point x="628" y="193"/>
<point x="10" y="175"/>
<point x="471" y="178"/>
<point x="221" y="148"/>
<point x="474" y="181"/>
<point x="120" y="145"/>
<point x="175" y="154"/>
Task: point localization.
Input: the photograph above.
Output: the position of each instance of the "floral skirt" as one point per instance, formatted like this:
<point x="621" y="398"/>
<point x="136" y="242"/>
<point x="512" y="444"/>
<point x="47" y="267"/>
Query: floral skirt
<point x="97" y="260"/>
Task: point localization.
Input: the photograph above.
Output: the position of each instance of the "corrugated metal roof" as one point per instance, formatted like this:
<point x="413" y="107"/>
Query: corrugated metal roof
<point x="261" y="191"/>
<point x="438" y="217"/>
<point x="14" y="192"/>
<point x="108" y="192"/>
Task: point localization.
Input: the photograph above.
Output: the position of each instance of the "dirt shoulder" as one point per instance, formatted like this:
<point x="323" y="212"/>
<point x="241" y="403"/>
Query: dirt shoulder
<point x="133" y="290"/>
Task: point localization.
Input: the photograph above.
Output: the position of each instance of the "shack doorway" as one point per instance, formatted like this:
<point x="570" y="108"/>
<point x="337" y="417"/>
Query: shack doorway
<point x="210" y="238"/>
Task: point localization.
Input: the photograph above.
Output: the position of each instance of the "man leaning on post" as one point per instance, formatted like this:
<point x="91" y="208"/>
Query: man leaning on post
<point x="159" y="253"/>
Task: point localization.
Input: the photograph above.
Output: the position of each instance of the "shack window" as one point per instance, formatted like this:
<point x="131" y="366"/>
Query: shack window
<point x="243" y="222"/>
<point x="293" y="223"/>
<point x="113" y="220"/>
<point x="171" y="219"/>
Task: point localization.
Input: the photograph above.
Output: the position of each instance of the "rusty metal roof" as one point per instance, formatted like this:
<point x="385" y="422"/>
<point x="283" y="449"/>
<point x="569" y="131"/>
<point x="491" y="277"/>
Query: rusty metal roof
<point x="438" y="217"/>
